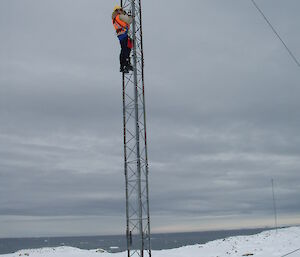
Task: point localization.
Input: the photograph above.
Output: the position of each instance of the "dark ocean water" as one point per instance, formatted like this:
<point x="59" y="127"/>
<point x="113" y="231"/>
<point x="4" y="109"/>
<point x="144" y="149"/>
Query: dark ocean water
<point x="118" y="243"/>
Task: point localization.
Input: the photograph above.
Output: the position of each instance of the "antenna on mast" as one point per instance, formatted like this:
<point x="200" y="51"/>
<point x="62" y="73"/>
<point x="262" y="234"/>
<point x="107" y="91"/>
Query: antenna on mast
<point x="274" y="205"/>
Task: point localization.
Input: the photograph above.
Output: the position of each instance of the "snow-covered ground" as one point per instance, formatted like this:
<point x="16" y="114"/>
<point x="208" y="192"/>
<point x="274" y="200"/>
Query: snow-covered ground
<point x="286" y="242"/>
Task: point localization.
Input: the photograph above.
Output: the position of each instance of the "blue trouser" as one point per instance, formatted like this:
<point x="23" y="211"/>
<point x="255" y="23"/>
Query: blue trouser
<point x="125" y="52"/>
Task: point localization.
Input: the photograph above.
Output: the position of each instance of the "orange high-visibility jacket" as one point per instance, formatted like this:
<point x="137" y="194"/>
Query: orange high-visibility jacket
<point x="121" y="27"/>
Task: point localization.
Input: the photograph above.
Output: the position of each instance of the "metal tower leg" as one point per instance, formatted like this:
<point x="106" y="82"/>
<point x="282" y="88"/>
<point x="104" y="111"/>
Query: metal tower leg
<point x="135" y="143"/>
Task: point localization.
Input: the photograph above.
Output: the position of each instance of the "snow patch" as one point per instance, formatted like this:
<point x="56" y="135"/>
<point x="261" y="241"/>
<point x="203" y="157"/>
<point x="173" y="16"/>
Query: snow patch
<point x="285" y="242"/>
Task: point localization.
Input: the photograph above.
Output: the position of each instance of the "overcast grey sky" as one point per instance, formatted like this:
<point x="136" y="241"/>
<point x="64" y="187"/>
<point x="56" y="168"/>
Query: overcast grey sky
<point x="223" y="107"/>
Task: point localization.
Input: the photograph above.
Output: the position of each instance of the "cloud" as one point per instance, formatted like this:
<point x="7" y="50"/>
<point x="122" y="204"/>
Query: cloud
<point x="222" y="109"/>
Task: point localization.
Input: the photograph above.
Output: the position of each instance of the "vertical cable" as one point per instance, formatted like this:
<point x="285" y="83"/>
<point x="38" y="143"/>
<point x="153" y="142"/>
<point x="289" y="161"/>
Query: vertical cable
<point x="274" y="206"/>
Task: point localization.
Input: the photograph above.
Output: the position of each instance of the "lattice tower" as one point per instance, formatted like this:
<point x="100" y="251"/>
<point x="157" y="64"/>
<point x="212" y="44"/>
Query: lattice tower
<point x="135" y="142"/>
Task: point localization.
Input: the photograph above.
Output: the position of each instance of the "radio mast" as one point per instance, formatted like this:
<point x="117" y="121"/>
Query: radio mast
<point x="135" y="142"/>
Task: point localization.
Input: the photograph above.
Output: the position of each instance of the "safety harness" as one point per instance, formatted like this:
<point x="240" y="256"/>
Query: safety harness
<point x="120" y="26"/>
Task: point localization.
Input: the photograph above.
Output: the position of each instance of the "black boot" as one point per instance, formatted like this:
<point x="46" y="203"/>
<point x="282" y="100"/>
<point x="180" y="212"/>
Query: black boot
<point x="128" y="64"/>
<point x="124" y="69"/>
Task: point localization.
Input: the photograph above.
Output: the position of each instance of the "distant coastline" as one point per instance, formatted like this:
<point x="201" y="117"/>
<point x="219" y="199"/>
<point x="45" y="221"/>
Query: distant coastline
<point x="117" y="243"/>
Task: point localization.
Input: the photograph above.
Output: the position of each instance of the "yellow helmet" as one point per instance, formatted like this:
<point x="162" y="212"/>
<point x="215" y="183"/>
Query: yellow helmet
<point x="117" y="7"/>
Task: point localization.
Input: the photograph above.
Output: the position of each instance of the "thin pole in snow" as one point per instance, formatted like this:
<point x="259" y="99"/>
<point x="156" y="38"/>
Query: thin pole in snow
<point x="274" y="205"/>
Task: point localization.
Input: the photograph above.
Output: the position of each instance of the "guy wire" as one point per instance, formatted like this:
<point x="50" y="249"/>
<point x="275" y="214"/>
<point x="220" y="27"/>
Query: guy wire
<point x="270" y="25"/>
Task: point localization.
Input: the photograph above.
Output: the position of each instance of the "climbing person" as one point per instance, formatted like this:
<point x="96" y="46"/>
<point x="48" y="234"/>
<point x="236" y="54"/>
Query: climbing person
<point x="121" y="21"/>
